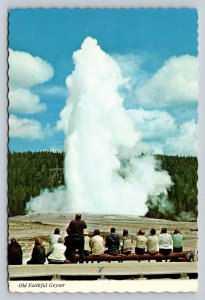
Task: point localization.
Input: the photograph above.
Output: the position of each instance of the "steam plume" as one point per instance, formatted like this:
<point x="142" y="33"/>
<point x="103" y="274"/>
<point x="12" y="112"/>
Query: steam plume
<point x="105" y="170"/>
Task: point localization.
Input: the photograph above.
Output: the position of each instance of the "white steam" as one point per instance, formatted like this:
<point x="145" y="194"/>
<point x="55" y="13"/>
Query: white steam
<point x="105" y="171"/>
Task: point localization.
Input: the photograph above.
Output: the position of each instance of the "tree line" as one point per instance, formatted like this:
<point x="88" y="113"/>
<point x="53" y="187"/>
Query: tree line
<point x="184" y="193"/>
<point x="31" y="172"/>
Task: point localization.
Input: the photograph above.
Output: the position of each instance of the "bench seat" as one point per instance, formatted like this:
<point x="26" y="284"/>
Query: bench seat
<point x="181" y="256"/>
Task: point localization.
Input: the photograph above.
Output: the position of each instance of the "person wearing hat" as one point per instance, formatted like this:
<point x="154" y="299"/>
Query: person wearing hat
<point x="76" y="228"/>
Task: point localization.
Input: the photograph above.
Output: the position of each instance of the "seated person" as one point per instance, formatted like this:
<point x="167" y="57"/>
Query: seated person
<point x="38" y="254"/>
<point x="97" y="243"/>
<point x="54" y="236"/>
<point x="87" y="249"/>
<point x="152" y="242"/>
<point x="165" y="242"/>
<point x="56" y="253"/>
<point x="14" y="253"/>
<point x="112" y="243"/>
<point x="141" y="242"/>
<point x="177" y="239"/>
<point x="126" y="243"/>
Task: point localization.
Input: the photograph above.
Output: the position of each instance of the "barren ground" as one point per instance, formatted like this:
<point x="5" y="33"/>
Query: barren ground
<point x="26" y="228"/>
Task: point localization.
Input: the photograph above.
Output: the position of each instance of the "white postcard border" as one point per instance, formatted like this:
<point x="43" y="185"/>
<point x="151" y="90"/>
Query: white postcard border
<point x="4" y="6"/>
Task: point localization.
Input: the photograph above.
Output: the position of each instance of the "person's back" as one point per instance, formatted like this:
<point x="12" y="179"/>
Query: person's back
<point x="126" y="242"/>
<point x="57" y="252"/>
<point x="152" y="242"/>
<point x="177" y="239"/>
<point x="97" y="243"/>
<point x="14" y="253"/>
<point x="38" y="254"/>
<point x="112" y="242"/>
<point x="76" y="229"/>
<point x="165" y="242"/>
<point x="77" y="226"/>
<point x="141" y="242"/>
<point x="54" y="237"/>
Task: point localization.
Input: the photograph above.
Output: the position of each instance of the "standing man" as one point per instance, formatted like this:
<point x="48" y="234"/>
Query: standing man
<point x="76" y="228"/>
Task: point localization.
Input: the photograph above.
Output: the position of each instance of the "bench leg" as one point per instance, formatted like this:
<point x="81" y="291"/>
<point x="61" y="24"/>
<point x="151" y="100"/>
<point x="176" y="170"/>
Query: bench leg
<point x="184" y="276"/>
<point x="142" y="277"/>
<point x="56" y="277"/>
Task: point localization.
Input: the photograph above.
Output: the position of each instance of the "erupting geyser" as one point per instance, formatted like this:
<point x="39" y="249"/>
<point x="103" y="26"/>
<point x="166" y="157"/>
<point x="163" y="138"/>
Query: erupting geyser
<point x="105" y="169"/>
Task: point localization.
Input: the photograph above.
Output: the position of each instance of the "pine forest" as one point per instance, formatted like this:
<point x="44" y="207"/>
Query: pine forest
<point x="31" y="172"/>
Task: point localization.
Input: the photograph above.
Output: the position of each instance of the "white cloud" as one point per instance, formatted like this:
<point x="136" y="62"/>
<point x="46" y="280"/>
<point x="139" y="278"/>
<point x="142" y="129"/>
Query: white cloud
<point x="173" y="84"/>
<point x="24" y="101"/>
<point x="154" y="124"/>
<point x="161" y="135"/>
<point x="185" y="142"/>
<point x="25" y="128"/>
<point x="26" y="70"/>
<point x="54" y="91"/>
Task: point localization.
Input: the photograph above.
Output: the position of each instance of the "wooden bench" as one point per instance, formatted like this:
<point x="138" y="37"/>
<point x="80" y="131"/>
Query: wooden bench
<point x="181" y="256"/>
<point x="102" y="270"/>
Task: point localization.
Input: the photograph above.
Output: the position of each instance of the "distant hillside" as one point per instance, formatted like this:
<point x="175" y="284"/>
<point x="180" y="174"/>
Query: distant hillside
<point x="30" y="172"/>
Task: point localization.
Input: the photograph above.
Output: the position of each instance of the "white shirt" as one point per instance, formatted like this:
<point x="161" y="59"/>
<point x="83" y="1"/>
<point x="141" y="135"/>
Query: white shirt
<point x="57" y="251"/>
<point x="165" y="241"/>
<point x="86" y="243"/>
<point x="141" y="241"/>
<point x="53" y="238"/>
<point x="152" y="243"/>
<point x="97" y="245"/>
<point x="126" y="243"/>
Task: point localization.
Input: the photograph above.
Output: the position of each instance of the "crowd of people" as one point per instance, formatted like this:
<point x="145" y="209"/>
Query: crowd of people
<point x="63" y="250"/>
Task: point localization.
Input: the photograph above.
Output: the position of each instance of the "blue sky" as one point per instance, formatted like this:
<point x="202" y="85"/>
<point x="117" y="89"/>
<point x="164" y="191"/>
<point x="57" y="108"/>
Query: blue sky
<point x="155" y="48"/>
